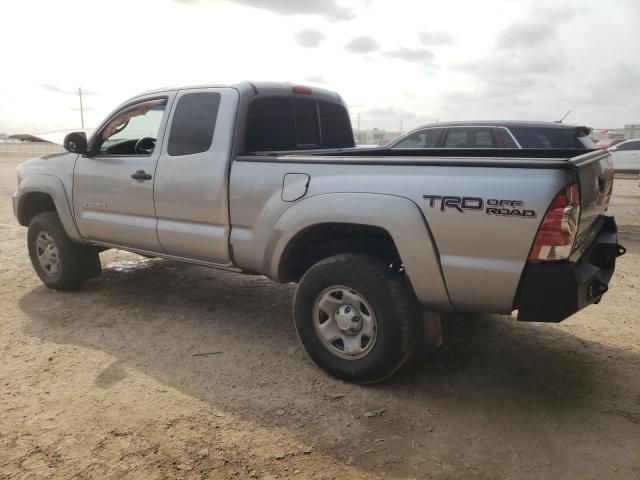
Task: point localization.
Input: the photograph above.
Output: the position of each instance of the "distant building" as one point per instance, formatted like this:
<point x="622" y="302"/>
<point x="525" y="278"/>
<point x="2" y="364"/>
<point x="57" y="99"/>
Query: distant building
<point x="631" y="131"/>
<point x="27" y="137"/>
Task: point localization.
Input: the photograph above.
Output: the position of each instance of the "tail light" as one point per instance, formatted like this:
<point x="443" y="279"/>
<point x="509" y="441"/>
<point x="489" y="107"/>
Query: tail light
<point x="557" y="232"/>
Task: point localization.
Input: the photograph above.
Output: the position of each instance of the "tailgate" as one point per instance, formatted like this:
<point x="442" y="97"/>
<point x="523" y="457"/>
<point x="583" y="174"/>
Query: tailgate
<point x="595" y="179"/>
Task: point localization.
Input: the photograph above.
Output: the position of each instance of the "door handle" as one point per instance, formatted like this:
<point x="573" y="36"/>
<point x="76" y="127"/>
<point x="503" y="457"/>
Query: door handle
<point x="141" y="175"/>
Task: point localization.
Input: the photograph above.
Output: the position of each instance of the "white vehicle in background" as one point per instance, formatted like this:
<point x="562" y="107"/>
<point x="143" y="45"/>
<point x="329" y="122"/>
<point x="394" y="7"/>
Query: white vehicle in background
<point x="626" y="156"/>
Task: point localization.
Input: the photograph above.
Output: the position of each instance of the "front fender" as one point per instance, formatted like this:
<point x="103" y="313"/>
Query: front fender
<point x="400" y="217"/>
<point x="52" y="186"/>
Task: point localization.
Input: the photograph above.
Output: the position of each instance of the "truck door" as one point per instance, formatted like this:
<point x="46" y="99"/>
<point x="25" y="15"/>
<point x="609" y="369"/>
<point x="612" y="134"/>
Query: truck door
<point x="113" y="184"/>
<point x="191" y="183"/>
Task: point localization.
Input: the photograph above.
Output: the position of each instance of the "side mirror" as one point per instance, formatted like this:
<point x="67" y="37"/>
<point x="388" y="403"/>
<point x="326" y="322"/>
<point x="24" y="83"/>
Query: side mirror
<point x="76" y="142"/>
<point x="613" y="149"/>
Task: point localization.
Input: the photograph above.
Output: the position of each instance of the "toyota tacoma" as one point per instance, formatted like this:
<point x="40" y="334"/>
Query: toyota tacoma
<point x="262" y="178"/>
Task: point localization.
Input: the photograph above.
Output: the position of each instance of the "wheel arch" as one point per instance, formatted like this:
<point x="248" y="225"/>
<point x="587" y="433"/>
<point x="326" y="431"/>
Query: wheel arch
<point x="395" y="222"/>
<point x="323" y="240"/>
<point x="33" y="203"/>
<point x="43" y="193"/>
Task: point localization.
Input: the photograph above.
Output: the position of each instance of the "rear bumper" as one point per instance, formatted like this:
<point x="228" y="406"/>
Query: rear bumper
<point x="551" y="292"/>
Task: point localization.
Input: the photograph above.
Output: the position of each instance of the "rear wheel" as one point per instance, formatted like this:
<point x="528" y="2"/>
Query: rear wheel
<point x="60" y="263"/>
<point x="355" y="317"/>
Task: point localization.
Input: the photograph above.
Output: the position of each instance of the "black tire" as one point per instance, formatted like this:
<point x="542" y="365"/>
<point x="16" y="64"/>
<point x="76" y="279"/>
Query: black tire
<point x="394" y="309"/>
<point x="76" y="262"/>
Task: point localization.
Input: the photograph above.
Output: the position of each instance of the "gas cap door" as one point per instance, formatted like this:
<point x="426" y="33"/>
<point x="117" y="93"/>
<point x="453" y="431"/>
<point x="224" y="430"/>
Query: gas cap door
<point x="294" y="186"/>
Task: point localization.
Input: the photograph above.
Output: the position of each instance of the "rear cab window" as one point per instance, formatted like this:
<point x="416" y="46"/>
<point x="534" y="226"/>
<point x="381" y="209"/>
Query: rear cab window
<point x="286" y="123"/>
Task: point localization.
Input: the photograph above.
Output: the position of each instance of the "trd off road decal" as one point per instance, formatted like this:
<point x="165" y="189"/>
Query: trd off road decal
<point x="492" y="206"/>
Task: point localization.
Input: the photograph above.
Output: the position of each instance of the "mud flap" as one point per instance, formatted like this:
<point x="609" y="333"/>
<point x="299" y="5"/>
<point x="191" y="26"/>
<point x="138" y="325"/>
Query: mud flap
<point x="431" y="331"/>
<point x="91" y="262"/>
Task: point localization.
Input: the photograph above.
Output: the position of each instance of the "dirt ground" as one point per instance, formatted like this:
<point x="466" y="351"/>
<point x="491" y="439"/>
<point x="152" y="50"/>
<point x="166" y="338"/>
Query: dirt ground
<point x="162" y="370"/>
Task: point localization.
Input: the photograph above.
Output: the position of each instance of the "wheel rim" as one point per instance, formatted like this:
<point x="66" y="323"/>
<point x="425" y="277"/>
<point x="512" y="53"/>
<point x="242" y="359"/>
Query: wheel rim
<point x="344" y="322"/>
<point x="48" y="254"/>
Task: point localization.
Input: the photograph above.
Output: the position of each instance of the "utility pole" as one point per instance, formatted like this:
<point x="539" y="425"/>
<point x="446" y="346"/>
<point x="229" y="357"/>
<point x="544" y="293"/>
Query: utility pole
<point x="400" y="126"/>
<point x="81" y="109"/>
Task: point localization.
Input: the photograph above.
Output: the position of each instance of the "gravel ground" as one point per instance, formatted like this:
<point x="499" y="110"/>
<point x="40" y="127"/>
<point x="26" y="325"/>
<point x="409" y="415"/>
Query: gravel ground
<point x="162" y="370"/>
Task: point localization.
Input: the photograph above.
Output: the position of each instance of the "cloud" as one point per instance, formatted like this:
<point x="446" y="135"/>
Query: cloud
<point x="541" y="27"/>
<point x="326" y="8"/>
<point x="513" y="67"/>
<point x="525" y="35"/>
<point x="527" y="57"/>
<point x="315" y="79"/>
<point x="54" y="88"/>
<point x="386" y="117"/>
<point x="71" y="91"/>
<point x="482" y="96"/>
<point x="435" y="39"/>
<point x="383" y="112"/>
<point x="625" y="78"/>
<point x="618" y="83"/>
<point x="362" y="44"/>
<point x="415" y="55"/>
<point x="309" y="37"/>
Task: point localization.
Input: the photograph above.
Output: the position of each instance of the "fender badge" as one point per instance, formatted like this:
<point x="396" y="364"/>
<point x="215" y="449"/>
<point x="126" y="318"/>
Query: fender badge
<point x="95" y="205"/>
<point x="492" y="206"/>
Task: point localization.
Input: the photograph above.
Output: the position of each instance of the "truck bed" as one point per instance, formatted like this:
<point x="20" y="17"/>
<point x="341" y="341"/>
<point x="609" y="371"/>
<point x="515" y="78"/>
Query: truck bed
<point x="481" y="256"/>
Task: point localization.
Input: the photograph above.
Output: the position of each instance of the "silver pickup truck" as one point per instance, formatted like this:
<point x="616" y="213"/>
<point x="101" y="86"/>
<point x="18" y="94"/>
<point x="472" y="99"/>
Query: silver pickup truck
<point x="262" y="178"/>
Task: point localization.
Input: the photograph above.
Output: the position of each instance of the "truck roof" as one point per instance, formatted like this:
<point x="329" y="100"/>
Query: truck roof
<point x="257" y="88"/>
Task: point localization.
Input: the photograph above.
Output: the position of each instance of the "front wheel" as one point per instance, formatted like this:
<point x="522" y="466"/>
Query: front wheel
<point x="355" y="317"/>
<point x="60" y="263"/>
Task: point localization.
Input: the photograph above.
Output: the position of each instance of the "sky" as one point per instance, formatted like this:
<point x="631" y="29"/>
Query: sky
<point x="395" y="62"/>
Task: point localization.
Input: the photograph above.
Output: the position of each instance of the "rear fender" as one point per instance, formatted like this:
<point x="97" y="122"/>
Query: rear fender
<point x="400" y="217"/>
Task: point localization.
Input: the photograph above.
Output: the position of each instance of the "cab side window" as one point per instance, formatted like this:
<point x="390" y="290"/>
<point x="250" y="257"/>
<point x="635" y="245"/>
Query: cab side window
<point x="427" y="138"/>
<point x="470" y="137"/>
<point x="133" y="131"/>
<point x="506" y="138"/>
<point x="194" y="123"/>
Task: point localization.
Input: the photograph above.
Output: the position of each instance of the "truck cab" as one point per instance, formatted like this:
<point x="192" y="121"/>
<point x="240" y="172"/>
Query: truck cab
<point x="126" y="192"/>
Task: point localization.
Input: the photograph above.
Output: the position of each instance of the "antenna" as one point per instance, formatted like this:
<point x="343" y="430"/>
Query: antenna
<point x="565" y="116"/>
